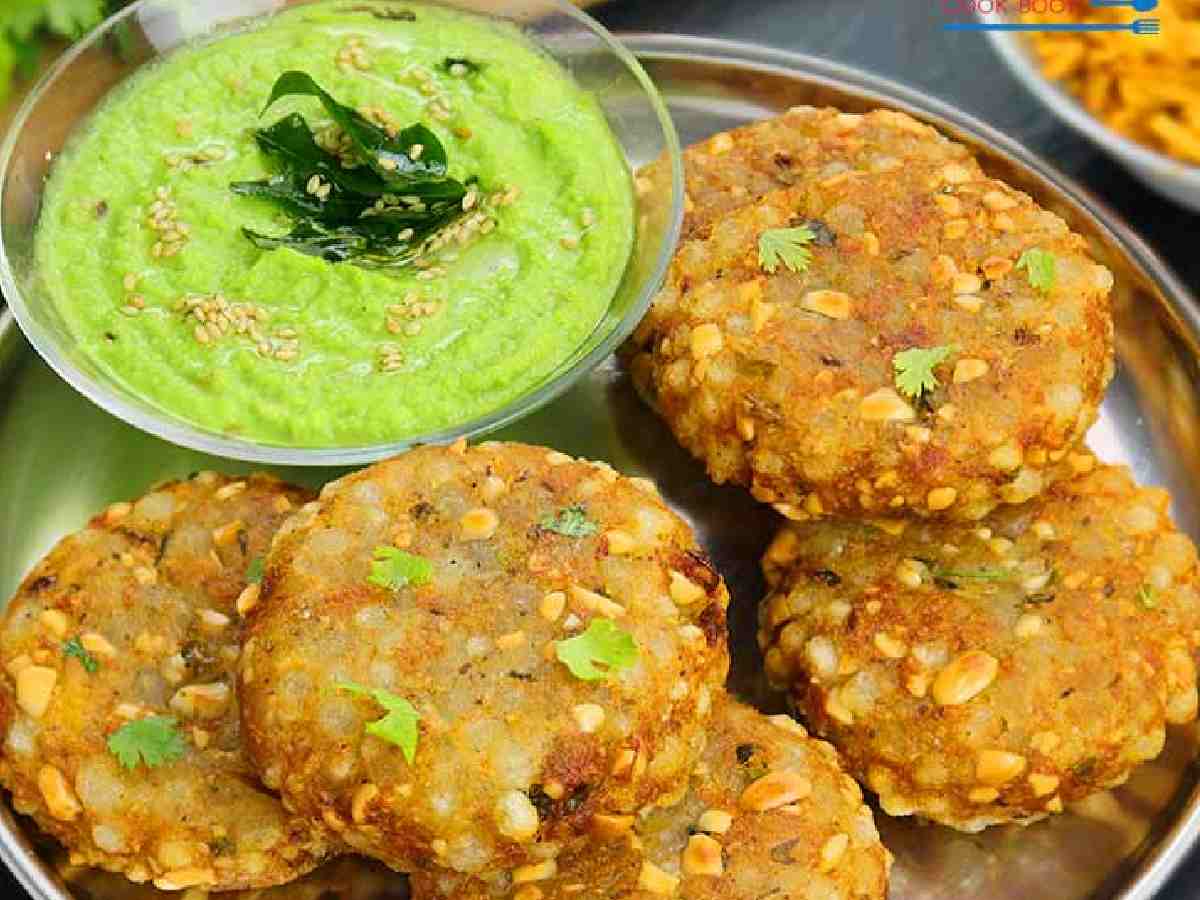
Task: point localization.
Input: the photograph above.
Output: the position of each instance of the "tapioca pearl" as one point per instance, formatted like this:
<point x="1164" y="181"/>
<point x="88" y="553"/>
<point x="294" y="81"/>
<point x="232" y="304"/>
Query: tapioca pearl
<point x="21" y="739"/>
<point x="860" y="693"/>
<point x="514" y="763"/>
<point x="373" y="617"/>
<point x="383" y="675"/>
<point x="822" y="655"/>
<point x="156" y="507"/>
<point x="190" y="539"/>
<point x="467" y="853"/>
<point x="260" y="835"/>
<point x="1139" y="519"/>
<point x="293" y="693"/>
<point x="99" y="786"/>
<point x="339" y="718"/>
<point x="1175" y="552"/>
<point x="651" y="525"/>
<point x="367" y="493"/>
<point x="150" y="688"/>
<point x="109" y="838"/>
<point x="329" y="543"/>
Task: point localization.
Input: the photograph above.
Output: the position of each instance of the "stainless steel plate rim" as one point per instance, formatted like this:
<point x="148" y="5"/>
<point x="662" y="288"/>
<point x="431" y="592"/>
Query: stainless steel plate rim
<point x="1158" y="862"/>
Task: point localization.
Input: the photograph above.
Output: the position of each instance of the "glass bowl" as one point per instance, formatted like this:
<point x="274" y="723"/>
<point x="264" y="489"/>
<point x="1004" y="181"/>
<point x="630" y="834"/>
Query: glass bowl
<point x="151" y="29"/>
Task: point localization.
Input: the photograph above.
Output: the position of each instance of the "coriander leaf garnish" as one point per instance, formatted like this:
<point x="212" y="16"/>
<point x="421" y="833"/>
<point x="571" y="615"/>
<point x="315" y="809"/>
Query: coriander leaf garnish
<point x="914" y="368"/>
<point x="458" y="66"/>
<point x="399" y="726"/>
<point x="255" y="571"/>
<point x="571" y="521"/>
<point x="597" y="652"/>
<point x="394" y="569"/>
<point x="152" y="741"/>
<point x="1147" y="596"/>
<point x="786" y="245"/>
<point x="74" y="647"/>
<point x="367" y="195"/>
<point x="1041" y="267"/>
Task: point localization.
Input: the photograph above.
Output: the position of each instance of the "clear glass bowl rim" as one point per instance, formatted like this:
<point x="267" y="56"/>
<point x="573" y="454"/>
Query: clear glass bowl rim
<point x="177" y="431"/>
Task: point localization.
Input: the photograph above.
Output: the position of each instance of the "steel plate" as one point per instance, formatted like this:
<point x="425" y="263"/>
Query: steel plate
<point x="61" y="459"/>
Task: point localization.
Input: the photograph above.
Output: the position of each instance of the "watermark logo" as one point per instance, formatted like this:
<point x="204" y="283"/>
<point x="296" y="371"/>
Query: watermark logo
<point x="997" y="15"/>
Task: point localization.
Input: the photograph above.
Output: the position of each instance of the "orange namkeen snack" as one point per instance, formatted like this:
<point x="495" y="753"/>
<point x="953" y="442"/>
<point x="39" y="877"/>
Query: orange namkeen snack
<point x="1145" y="87"/>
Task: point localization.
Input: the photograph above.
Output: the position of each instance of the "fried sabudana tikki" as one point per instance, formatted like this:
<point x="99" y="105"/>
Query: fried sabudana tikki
<point x="894" y="334"/>
<point x="462" y="657"/>
<point x="120" y="723"/>
<point x="769" y="813"/>
<point x="989" y="673"/>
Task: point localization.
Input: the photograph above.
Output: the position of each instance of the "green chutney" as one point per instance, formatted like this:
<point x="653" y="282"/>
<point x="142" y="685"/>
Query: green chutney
<point x="140" y="243"/>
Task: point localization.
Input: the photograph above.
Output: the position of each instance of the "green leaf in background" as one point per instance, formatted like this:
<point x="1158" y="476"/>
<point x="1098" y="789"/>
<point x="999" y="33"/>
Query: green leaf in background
<point x="27" y="26"/>
<point x="72" y="18"/>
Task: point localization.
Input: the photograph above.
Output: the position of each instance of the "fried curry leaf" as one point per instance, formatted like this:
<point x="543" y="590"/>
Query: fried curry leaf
<point x="391" y="158"/>
<point x="394" y="569"/>
<point x="599" y="651"/>
<point x="399" y="726"/>
<point x="152" y="742"/>
<point x="374" y="201"/>
<point x="572" y="521"/>
<point x="1041" y="267"/>
<point x="290" y="143"/>
<point x="785" y="245"/>
<point x="914" y="369"/>
<point x="74" y="647"/>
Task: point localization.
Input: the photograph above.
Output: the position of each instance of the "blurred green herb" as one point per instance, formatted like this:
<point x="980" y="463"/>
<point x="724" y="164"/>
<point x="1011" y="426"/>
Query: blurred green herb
<point x="571" y="521"/>
<point x="28" y="27"/>
<point x="1041" y="267"/>
<point x="74" y="647"/>
<point x="914" y="369"/>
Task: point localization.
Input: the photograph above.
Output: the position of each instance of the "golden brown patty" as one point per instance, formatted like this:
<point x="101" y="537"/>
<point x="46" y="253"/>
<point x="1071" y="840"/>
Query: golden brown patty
<point x="990" y="673"/>
<point x="769" y="813"/>
<point x="345" y="878"/>
<point x="513" y="551"/>
<point x="126" y="637"/>
<point x="787" y="382"/>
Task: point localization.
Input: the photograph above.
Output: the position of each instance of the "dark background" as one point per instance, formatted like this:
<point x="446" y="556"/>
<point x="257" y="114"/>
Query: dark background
<point x="903" y="39"/>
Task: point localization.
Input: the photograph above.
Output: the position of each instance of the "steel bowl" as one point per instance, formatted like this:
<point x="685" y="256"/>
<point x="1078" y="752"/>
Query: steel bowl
<point x="1176" y="180"/>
